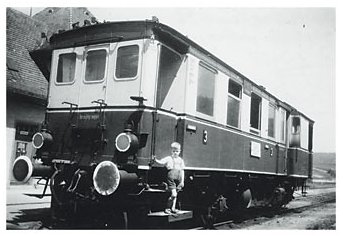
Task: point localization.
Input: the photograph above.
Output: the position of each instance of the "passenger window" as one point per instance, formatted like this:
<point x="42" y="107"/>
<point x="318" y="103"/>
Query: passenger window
<point x="255" y="113"/>
<point x="271" y="121"/>
<point x="95" y="66"/>
<point x="66" y="68"/>
<point x="283" y="126"/>
<point x="127" y="62"/>
<point x="233" y="104"/>
<point x="205" y="92"/>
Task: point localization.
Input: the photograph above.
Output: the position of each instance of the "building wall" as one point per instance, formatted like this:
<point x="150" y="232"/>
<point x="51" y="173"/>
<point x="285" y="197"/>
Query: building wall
<point x="26" y="86"/>
<point x="20" y="110"/>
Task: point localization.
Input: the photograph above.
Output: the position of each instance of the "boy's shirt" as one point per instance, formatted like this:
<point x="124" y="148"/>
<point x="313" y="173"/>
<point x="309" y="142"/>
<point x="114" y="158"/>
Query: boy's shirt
<point x="172" y="163"/>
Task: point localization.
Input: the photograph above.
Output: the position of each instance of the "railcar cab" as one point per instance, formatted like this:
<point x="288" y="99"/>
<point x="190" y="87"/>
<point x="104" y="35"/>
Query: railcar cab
<point x="300" y="146"/>
<point x="131" y="64"/>
<point x="108" y="72"/>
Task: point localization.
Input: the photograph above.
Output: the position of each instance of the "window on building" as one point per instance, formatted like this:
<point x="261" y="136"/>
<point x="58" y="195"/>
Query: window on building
<point x="24" y="131"/>
<point x="271" y="121"/>
<point x="205" y="92"/>
<point x="11" y="65"/>
<point x="127" y="62"/>
<point x="95" y="66"/>
<point x="233" y="103"/>
<point x="66" y="68"/>
<point x="255" y="113"/>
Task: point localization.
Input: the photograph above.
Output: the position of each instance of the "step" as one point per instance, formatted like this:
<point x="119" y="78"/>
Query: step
<point x="179" y="216"/>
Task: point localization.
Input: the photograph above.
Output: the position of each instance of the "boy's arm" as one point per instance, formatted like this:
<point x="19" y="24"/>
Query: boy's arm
<point x="182" y="183"/>
<point x="161" y="162"/>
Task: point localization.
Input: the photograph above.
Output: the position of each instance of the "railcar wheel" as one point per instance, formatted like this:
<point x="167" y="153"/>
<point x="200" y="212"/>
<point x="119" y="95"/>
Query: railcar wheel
<point x="60" y="210"/>
<point x="246" y="199"/>
<point x="208" y="218"/>
<point x="213" y="212"/>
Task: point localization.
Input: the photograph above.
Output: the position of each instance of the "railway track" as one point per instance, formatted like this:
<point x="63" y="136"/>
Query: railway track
<point x="259" y="215"/>
<point x="32" y="218"/>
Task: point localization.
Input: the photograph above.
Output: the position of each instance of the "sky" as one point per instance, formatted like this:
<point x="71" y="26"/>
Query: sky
<point x="290" y="51"/>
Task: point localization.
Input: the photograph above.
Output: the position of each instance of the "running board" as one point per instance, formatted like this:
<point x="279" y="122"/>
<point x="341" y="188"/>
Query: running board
<point x="169" y="218"/>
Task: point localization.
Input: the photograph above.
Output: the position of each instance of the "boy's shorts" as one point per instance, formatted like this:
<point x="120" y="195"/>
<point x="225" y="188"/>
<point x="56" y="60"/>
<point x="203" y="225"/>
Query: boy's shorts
<point x="173" y="178"/>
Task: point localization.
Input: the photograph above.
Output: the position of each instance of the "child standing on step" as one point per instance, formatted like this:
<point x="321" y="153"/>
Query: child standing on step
<point x="175" y="176"/>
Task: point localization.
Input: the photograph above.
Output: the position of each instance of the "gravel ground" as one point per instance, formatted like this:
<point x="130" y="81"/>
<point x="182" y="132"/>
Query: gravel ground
<point x="301" y="216"/>
<point x="323" y="217"/>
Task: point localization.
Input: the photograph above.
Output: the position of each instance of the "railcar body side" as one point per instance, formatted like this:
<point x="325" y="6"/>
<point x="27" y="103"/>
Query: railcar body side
<point x="122" y="92"/>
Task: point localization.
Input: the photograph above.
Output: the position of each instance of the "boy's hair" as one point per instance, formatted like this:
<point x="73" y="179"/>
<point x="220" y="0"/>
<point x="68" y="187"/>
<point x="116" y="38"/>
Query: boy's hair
<point x="176" y="145"/>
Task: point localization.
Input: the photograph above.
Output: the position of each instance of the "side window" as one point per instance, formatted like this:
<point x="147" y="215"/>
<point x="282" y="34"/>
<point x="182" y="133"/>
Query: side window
<point x="233" y="103"/>
<point x="255" y="114"/>
<point x="66" y="68"/>
<point x="95" y="66"/>
<point x="127" y="62"/>
<point x="271" y="121"/>
<point x="283" y="126"/>
<point x="205" y="92"/>
<point x="169" y="66"/>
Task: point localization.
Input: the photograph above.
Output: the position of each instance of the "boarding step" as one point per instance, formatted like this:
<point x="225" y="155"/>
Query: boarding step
<point x="173" y="217"/>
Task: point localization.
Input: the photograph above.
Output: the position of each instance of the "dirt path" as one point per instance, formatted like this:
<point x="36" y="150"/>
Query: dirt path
<point x="322" y="217"/>
<point x="315" y="211"/>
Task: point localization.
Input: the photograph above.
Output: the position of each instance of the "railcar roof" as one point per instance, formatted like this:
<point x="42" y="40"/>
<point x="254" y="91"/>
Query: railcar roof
<point x="130" y="30"/>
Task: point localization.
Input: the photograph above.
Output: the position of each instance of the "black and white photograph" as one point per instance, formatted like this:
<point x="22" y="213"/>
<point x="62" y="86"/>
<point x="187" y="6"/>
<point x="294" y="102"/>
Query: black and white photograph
<point x="187" y="117"/>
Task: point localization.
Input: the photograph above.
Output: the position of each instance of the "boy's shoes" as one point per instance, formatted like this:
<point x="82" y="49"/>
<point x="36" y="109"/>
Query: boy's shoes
<point x="174" y="211"/>
<point x="168" y="211"/>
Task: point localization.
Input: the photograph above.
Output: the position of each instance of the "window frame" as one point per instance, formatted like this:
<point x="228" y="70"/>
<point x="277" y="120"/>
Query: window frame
<point x="182" y="58"/>
<point x="298" y="127"/>
<point x="56" y="67"/>
<point x="253" y="130"/>
<point x="271" y="105"/>
<point x="239" y="99"/>
<point x="215" y="73"/>
<point x="283" y="118"/>
<point x="138" y="63"/>
<point x="98" y="48"/>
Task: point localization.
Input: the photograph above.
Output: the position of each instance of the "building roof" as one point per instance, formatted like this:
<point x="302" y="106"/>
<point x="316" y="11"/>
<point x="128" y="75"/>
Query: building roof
<point x="61" y="18"/>
<point x="23" y="34"/>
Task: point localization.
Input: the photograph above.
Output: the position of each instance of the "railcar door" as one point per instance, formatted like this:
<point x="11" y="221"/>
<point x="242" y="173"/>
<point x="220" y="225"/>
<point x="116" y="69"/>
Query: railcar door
<point x="94" y="75"/>
<point x="65" y="77"/>
<point x="170" y="97"/>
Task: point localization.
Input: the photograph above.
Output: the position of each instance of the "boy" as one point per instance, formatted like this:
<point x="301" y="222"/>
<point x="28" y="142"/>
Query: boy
<point x="175" y="176"/>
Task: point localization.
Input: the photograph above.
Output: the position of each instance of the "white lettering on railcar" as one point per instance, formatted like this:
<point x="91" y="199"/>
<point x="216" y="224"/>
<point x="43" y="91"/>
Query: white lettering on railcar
<point x="89" y="116"/>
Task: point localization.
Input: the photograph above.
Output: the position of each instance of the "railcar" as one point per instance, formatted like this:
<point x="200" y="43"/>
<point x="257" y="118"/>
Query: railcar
<point x="122" y="92"/>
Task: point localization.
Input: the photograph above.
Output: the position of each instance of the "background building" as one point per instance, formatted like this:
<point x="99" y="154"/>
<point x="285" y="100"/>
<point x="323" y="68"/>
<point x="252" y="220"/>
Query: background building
<point x="26" y="86"/>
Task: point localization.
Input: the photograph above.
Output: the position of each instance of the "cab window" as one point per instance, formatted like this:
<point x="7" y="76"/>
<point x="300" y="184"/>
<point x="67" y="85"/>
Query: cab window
<point x="127" y="62"/>
<point x="95" y="66"/>
<point x="66" y="68"/>
<point x="295" y="125"/>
